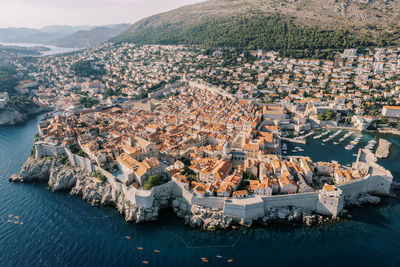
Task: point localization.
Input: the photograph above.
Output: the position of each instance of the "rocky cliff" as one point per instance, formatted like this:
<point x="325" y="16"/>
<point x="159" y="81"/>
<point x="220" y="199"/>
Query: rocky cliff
<point x="13" y="115"/>
<point x="81" y="183"/>
<point x="62" y="177"/>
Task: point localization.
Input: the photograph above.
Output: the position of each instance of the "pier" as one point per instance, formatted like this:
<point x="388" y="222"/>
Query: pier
<point x="293" y="140"/>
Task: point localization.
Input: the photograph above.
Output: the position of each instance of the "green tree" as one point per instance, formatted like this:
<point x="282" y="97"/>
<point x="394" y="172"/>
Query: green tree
<point x="84" y="68"/>
<point x="321" y="117"/>
<point x="99" y="175"/>
<point x="88" y="102"/>
<point x="330" y="115"/>
<point x="109" y="92"/>
<point x="8" y="78"/>
<point x="153" y="180"/>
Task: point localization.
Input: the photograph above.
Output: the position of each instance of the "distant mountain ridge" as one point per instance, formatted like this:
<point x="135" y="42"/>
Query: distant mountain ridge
<point x="266" y="23"/>
<point x="85" y="38"/>
<point x="62" y="35"/>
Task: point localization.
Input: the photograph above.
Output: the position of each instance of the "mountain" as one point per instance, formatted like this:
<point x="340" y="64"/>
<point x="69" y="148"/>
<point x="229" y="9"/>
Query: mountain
<point x="63" y="35"/>
<point x="90" y="37"/>
<point x="67" y="29"/>
<point x="19" y="35"/>
<point x="294" y="27"/>
<point x="38" y="36"/>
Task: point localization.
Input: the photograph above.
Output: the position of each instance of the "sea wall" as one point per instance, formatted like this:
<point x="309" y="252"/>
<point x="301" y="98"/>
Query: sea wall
<point x="378" y="180"/>
<point x="47" y="150"/>
<point x="215" y="203"/>
<point x="256" y="207"/>
<point x="78" y="161"/>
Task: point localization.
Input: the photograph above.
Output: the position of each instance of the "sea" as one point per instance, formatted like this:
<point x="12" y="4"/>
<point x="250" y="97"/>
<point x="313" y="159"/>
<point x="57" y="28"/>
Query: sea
<point x="63" y="230"/>
<point x="54" y="50"/>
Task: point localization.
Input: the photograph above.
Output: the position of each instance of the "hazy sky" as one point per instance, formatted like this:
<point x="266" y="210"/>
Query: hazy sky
<point x="38" y="13"/>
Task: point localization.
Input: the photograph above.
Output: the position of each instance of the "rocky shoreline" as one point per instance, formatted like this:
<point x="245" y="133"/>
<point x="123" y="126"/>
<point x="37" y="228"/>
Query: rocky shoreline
<point x="64" y="177"/>
<point x="12" y="116"/>
<point x="383" y="150"/>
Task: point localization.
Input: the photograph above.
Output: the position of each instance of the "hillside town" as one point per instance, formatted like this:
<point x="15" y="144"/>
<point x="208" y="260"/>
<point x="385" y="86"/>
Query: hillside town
<point x="360" y="88"/>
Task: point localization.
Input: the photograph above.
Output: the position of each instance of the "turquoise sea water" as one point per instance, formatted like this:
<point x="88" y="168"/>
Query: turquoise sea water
<point x="61" y="230"/>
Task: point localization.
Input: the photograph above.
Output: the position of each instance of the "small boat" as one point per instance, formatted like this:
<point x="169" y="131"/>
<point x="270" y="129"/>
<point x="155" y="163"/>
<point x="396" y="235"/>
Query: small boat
<point x="219" y="256"/>
<point x="16" y="217"/>
<point x="127" y="237"/>
<point x="157" y="251"/>
<point x="10" y="215"/>
<point x="140" y="248"/>
<point x="145" y="262"/>
<point x="230" y="260"/>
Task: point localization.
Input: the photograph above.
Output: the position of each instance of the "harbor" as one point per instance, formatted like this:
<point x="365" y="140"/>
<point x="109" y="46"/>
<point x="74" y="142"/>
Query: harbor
<point x="347" y="145"/>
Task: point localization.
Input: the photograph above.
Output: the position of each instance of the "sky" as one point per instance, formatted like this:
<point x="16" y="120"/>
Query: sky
<point x="39" y="13"/>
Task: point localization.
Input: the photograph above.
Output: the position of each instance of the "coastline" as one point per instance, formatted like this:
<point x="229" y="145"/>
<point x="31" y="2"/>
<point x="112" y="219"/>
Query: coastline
<point x="79" y="182"/>
<point x="13" y="116"/>
<point x="142" y="206"/>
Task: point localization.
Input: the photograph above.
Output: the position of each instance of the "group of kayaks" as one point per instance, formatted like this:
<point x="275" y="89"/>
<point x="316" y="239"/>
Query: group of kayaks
<point x="203" y="259"/>
<point x="14" y="219"/>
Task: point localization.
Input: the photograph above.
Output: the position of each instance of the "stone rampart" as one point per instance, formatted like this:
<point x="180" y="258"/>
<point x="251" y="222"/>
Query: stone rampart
<point x="48" y="150"/>
<point x="301" y="200"/>
<point x="378" y="180"/>
<point x="78" y="161"/>
<point x="209" y="87"/>
<point x="209" y="202"/>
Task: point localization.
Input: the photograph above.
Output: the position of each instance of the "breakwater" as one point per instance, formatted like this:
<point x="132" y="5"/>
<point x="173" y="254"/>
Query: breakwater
<point x="383" y="150"/>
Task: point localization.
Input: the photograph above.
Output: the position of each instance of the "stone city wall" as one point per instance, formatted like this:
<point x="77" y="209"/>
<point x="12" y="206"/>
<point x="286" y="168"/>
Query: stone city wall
<point x="209" y="202"/>
<point x="212" y="88"/>
<point x="301" y="200"/>
<point x="78" y="161"/>
<point x="239" y="209"/>
<point x="378" y="180"/>
<point x="48" y="150"/>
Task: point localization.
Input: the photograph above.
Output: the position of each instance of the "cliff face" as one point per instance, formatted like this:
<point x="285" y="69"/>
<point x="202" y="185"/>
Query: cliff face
<point x="81" y="183"/>
<point x="60" y="177"/>
<point x="101" y="193"/>
<point x="14" y="115"/>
